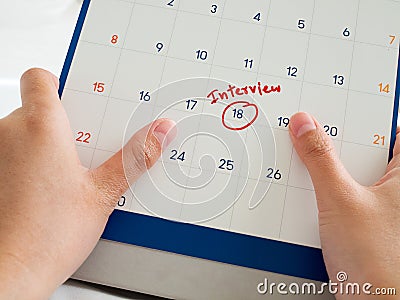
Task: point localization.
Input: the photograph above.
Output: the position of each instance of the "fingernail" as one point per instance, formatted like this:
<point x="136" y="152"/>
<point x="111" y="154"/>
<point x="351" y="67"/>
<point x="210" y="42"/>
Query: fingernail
<point x="55" y="80"/>
<point x="165" y="132"/>
<point x="301" y="123"/>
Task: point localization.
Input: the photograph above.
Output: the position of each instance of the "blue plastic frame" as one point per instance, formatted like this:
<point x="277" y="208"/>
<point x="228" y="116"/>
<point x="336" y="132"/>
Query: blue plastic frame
<point x="213" y="244"/>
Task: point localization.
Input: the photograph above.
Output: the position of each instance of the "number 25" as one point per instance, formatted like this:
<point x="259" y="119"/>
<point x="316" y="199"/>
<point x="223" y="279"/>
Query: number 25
<point x="226" y="164"/>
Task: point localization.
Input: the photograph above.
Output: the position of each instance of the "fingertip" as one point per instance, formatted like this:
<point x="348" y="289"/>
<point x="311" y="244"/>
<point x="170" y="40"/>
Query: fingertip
<point x="396" y="149"/>
<point x="317" y="152"/>
<point x="35" y="74"/>
<point x="38" y="86"/>
<point x="55" y="79"/>
<point x="146" y="146"/>
<point x="301" y="123"/>
<point x="164" y="131"/>
<point x="141" y="152"/>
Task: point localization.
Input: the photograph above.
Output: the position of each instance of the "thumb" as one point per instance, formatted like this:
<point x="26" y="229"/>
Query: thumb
<point x="142" y="151"/>
<point x="39" y="88"/>
<point x="317" y="151"/>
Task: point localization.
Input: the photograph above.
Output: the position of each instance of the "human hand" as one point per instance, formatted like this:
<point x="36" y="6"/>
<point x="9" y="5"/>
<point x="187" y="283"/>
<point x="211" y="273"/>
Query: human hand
<point x="52" y="209"/>
<point x="359" y="226"/>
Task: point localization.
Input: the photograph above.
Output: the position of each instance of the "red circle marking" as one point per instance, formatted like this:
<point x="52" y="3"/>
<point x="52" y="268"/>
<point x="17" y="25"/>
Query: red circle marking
<point x="246" y="104"/>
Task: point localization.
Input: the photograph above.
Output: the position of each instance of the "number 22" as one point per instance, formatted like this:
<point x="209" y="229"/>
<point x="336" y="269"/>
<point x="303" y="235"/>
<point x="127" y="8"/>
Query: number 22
<point x="83" y="137"/>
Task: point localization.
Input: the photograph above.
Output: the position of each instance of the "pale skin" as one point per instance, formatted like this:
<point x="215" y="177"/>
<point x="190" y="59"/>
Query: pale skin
<point x="53" y="210"/>
<point x="359" y="226"/>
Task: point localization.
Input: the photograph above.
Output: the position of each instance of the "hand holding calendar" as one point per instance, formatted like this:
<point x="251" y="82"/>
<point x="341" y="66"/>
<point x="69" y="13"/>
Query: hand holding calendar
<point x="279" y="56"/>
<point x="358" y="225"/>
<point x="52" y="209"/>
<point x="59" y="210"/>
<point x="230" y="188"/>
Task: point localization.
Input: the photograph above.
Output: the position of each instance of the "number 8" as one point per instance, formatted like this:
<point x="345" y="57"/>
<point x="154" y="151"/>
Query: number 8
<point x="114" y="39"/>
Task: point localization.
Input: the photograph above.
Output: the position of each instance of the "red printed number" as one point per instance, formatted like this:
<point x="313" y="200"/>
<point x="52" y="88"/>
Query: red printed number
<point x="379" y="140"/>
<point x="99" y="87"/>
<point x="114" y="39"/>
<point x="83" y="137"/>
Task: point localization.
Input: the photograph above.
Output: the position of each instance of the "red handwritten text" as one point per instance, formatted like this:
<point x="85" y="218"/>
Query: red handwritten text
<point x="234" y="91"/>
<point x="242" y="104"/>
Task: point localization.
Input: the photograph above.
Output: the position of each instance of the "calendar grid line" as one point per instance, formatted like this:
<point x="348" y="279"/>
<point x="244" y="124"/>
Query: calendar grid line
<point x="202" y="108"/>
<point x="237" y="175"/>
<point x="388" y="96"/>
<point x="272" y="182"/>
<point x="274" y="27"/>
<point x="350" y="72"/>
<point x="268" y="25"/>
<point x="133" y="1"/>
<point x="166" y="58"/>
<point x="298" y="109"/>
<point x="257" y="76"/>
<point x="218" y="34"/>
<point x="226" y="173"/>
<point x="275" y="128"/>
<point x="161" y="78"/>
<point x="224" y="61"/>
<point x="113" y="80"/>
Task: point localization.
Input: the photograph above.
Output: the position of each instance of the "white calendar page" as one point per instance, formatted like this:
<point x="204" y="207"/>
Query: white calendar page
<point x="231" y="73"/>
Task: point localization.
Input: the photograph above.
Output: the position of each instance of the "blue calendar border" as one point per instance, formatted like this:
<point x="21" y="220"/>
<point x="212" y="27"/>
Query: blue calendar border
<point x="208" y="243"/>
<point x="73" y="45"/>
<point x="395" y="110"/>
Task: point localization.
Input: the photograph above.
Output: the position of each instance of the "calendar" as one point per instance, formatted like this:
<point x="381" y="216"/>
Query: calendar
<point x="230" y="73"/>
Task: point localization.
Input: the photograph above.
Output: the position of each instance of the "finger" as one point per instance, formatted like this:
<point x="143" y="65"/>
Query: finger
<point x="395" y="161"/>
<point x="317" y="152"/>
<point x="141" y="152"/>
<point x="396" y="149"/>
<point x="39" y="88"/>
